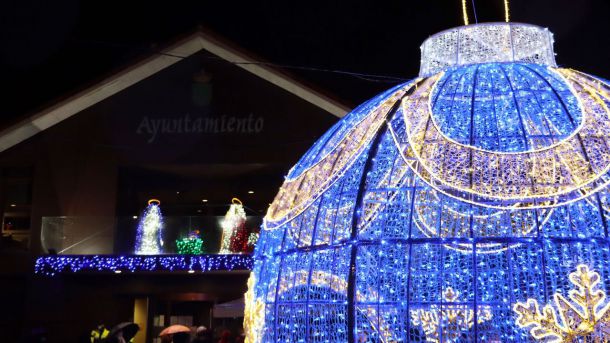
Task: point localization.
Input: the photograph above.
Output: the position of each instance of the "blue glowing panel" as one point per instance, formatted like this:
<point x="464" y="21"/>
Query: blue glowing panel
<point x="505" y="107"/>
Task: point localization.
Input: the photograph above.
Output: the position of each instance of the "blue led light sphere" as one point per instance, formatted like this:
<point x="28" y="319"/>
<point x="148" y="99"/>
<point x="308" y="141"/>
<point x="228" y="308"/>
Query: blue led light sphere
<point x="451" y="208"/>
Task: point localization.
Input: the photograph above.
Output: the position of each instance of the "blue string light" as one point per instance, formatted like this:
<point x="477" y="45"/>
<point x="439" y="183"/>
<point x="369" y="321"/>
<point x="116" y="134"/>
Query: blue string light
<point x="54" y="265"/>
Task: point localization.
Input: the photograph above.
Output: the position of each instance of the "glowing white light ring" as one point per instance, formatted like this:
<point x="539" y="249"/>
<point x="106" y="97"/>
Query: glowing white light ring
<point x="486" y="42"/>
<point x="576" y="130"/>
<point x="278" y="214"/>
<point x="513" y="206"/>
<point x="354" y="125"/>
<point x="308" y="201"/>
<point x="370" y="218"/>
<point x="487" y="248"/>
<point x="492" y="195"/>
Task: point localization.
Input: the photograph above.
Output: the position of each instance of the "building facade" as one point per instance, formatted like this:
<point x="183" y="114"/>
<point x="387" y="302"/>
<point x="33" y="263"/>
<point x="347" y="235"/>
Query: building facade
<point x="195" y="125"/>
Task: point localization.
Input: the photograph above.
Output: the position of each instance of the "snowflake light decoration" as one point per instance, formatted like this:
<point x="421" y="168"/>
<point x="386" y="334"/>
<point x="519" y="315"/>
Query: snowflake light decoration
<point x="447" y="322"/>
<point x="585" y="316"/>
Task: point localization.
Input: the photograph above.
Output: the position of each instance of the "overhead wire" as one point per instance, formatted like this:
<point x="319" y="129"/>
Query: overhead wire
<point x="474" y="9"/>
<point x="363" y="76"/>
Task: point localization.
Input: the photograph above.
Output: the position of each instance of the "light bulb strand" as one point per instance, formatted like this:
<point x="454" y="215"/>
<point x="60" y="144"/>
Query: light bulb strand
<point x="465" y="12"/>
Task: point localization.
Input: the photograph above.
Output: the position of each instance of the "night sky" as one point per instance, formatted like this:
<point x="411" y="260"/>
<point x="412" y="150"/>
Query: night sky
<point x="51" y="49"/>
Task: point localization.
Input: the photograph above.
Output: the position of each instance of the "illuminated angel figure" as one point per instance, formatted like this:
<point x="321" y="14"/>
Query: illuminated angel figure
<point x="149" y="239"/>
<point x="452" y="320"/>
<point x="585" y="317"/>
<point x="233" y="222"/>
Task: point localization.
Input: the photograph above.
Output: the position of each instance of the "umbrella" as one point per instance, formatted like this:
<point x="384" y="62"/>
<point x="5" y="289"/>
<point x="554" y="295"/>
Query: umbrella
<point x="128" y="329"/>
<point x="170" y="330"/>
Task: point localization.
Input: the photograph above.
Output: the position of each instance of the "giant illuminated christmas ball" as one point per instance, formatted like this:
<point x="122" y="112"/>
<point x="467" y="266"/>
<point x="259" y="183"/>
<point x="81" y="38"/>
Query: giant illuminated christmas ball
<point x="451" y="208"/>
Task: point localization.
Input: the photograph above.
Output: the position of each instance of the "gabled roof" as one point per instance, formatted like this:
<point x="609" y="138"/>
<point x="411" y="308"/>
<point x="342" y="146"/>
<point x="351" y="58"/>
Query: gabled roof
<point x="114" y="84"/>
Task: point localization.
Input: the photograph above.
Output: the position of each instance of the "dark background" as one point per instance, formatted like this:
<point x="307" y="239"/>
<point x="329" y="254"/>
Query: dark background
<point x="50" y="49"/>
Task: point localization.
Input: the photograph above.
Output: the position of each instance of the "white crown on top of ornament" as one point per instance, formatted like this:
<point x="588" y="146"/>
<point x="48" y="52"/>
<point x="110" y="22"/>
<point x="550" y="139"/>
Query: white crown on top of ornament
<point x="487" y="42"/>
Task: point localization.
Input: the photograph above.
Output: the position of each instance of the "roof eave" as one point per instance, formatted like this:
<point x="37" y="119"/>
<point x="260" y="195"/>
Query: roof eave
<point x="114" y="84"/>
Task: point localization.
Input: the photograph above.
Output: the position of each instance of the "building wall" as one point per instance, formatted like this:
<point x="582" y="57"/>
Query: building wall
<point x="72" y="305"/>
<point x="75" y="173"/>
<point x="77" y="161"/>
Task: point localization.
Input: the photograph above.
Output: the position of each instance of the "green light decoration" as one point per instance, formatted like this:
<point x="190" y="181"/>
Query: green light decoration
<point x="191" y="245"/>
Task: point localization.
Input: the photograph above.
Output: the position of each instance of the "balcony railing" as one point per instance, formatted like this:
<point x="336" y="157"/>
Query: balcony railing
<point x="102" y="244"/>
<point x="51" y="265"/>
<point x="116" y="236"/>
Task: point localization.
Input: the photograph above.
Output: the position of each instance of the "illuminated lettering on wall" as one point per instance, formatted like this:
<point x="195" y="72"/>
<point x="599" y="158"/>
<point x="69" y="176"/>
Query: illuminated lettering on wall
<point x="153" y="127"/>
